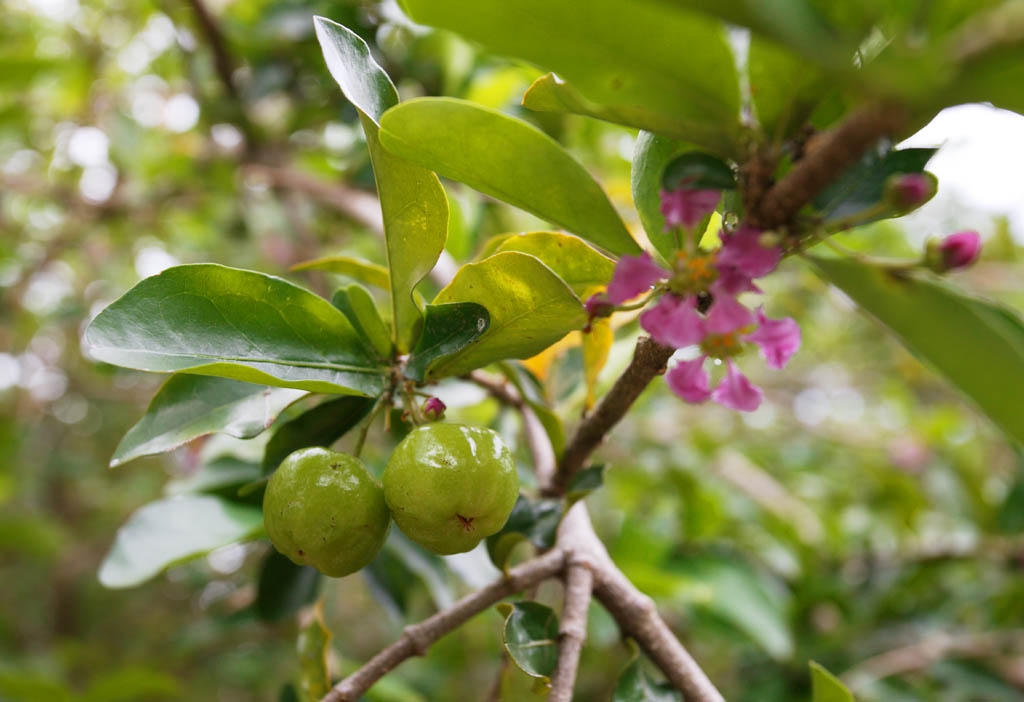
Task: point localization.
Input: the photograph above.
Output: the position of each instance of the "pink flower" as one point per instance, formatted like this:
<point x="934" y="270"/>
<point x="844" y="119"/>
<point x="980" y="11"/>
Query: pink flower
<point x="960" y="249"/>
<point x="674" y="321"/>
<point x="779" y="339"/>
<point x="732" y="282"/>
<point x="633" y="275"/>
<point x="727" y="315"/>
<point x="743" y="251"/>
<point x="908" y="190"/>
<point x="736" y="392"/>
<point x="687" y="207"/>
<point x="689" y="380"/>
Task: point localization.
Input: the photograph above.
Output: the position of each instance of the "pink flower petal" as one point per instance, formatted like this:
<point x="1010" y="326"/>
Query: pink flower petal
<point x="674" y="322"/>
<point x="731" y="281"/>
<point x="736" y="392"/>
<point x="689" y="380"/>
<point x="633" y="275"/>
<point x="742" y="250"/>
<point x="688" y="207"/>
<point x="779" y="339"/>
<point x="727" y="315"/>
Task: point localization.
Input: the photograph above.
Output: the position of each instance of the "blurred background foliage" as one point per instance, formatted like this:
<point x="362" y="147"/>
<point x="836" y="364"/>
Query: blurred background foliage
<point x="864" y="516"/>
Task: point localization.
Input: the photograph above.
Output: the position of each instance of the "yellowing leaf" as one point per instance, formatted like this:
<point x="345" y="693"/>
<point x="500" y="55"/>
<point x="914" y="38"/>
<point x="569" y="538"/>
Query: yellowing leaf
<point x="596" y="345"/>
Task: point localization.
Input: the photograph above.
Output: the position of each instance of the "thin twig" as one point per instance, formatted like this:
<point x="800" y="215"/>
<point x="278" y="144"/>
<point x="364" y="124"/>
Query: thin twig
<point x="417" y="638"/>
<point x="649" y="360"/>
<point x="579" y="584"/>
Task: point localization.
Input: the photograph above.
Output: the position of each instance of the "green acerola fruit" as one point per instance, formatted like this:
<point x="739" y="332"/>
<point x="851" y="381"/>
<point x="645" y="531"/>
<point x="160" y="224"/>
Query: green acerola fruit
<point x="324" y="509"/>
<point x="449" y="486"/>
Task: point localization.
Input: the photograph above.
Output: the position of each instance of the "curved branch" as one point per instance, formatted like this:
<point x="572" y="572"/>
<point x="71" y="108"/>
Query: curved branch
<point x="579" y="584"/>
<point x="417" y="638"/>
<point x="649" y="360"/>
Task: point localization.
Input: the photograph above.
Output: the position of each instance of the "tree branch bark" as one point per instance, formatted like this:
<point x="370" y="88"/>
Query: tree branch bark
<point x="579" y="584"/>
<point x="649" y="360"/>
<point x="417" y="638"/>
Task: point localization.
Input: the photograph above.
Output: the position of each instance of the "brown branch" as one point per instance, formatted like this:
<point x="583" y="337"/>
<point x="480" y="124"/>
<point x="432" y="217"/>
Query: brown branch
<point x="222" y="61"/>
<point x="831" y="153"/>
<point x="579" y="584"/>
<point x="417" y="638"/>
<point x="634" y="611"/>
<point x="649" y="360"/>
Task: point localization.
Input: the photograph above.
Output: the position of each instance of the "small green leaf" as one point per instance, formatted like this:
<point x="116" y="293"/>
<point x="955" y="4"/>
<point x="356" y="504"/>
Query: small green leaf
<point x="976" y="344"/>
<point x="313" y="646"/>
<point x="581" y="266"/>
<point x="651" y="154"/>
<point x="827" y="687"/>
<point x="508" y="159"/>
<point x="535" y="521"/>
<point x="358" y="306"/>
<point x="189" y="406"/>
<point x="284" y="587"/>
<point x="447" y="329"/>
<point x="635" y="685"/>
<point x="530" y="309"/>
<point x="363" y="271"/>
<point x="173" y="530"/>
<point x="320" y="426"/>
<point x="633" y="55"/>
<point x="208" y="319"/>
<point x="530" y="636"/>
<point x="696" y="169"/>
<point x="585" y="482"/>
<point x="412" y="201"/>
<point x="862" y="186"/>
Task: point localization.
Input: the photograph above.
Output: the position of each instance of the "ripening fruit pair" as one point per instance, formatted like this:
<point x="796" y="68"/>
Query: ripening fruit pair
<point x="447" y="486"/>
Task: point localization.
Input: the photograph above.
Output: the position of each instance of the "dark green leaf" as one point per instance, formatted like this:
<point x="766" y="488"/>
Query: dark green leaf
<point x="581" y="266"/>
<point x="619" y="55"/>
<point x="1010" y="518"/>
<point x="976" y="344"/>
<point x="284" y="587"/>
<point x="530" y="636"/>
<point x="401" y="569"/>
<point x="696" y="169"/>
<point x="174" y="530"/>
<point x="320" y="426"/>
<point x="213" y="320"/>
<point x="862" y="186"/>
<point x="535" y="521"/>
<point x="635" y="685"/>
<point x="508" y="159"/>
<point x="530" y="309"/>
<point x="447" y="329"/>
<point x="412" y="201"/>
<point x="358" y="306"/>
<point x="585" y="482"/>
<point x="827" y="687"/>
<point x="189" y="406"/>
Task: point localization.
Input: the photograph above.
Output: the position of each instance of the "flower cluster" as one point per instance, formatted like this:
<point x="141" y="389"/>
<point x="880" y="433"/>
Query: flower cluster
<point x="698" y="305"/>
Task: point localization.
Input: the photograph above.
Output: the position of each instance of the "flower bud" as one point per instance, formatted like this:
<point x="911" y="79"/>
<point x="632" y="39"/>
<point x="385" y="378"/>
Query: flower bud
<point x="908" y="191"/>
<point x="955" y="251"/>
<point x="433" y="409"/>
<point x="597" y="305"/>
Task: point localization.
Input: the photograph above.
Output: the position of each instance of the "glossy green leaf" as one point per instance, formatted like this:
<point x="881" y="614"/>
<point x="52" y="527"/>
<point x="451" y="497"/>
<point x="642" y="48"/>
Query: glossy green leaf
<point x="412" y="201"/>
<point x="530" y="520"/>
<point x="617" y="54"/>
<point x="223" y="476"/>
<point x="358" y="306"/>
<point x="785" y="88"/>
<point x="284" y="587"/>
<point x="549" y="93"/>
<point x="651" y="154"/>
<point x="319" y="426"/>
<point x="403" y="569"/>
<point x="978" y="345"/>
<point x="827" y="687"/>
<point x="189" y="406"/>
<point x="530" y="308"/>
<point x="363" y="271"/>
<point x="508" y="159"/>
<point x="581" y="266"/>
<point x="585" y="482"/>
<point x="862" y="186"/>
<point x="212" y="320"/>
<point x="447" y="329"/>
<point x="636" y="685"/>
<point x="696" y="169"/>
<point x="314" y="645"/>
<point x="173" y="530"/>
<point x="530" y="636"/>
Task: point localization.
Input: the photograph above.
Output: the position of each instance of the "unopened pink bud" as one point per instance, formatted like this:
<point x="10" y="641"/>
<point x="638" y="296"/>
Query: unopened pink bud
<point x="960" y="249"/>
<point x="907" y="191"/>
<point x="433" y="409"/>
